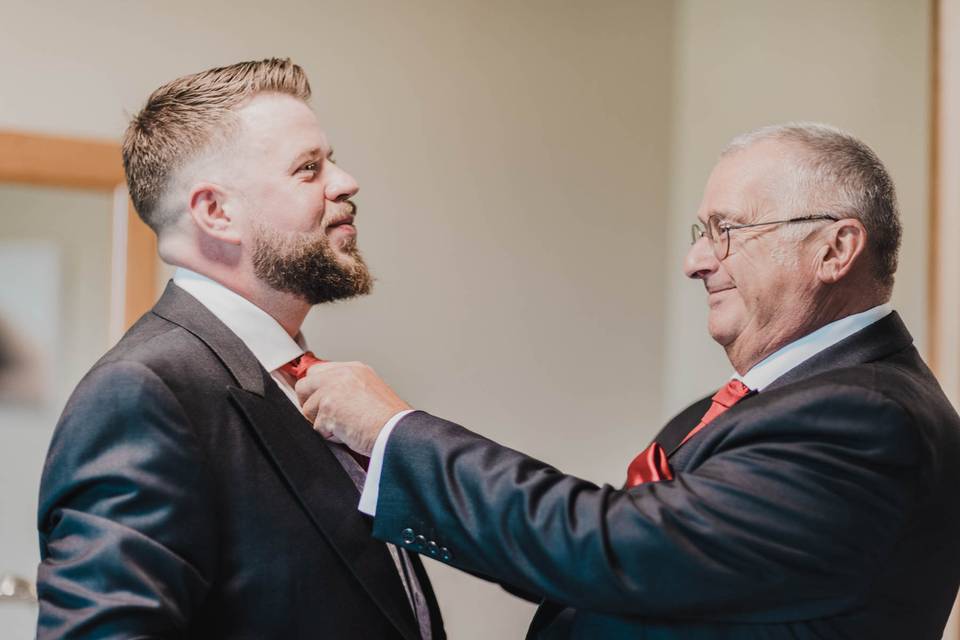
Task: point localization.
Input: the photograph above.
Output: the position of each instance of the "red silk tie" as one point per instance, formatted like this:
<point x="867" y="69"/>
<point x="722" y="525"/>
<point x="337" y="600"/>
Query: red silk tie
<point x="651" y="464"/>
<point x="297" y="368"/>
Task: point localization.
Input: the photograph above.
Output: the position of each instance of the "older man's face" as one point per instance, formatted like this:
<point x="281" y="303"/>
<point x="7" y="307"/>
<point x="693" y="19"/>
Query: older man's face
<point x="759" y="294"/>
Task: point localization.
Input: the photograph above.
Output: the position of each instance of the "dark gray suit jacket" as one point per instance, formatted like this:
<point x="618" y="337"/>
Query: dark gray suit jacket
<point x="185" y="496"/>
<point x="824" y="507"/>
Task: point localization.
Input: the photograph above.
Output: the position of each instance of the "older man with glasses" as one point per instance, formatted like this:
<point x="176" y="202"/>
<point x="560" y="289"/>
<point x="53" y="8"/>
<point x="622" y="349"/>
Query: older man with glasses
<point x="813" y="496"/>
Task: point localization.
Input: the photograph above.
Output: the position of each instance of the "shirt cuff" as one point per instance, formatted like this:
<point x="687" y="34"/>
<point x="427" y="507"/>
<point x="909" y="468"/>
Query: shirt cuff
<point x="371" y="486"/>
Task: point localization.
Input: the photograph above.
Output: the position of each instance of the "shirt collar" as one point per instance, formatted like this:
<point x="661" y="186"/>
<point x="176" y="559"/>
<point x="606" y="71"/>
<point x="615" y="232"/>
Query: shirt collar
<point x="270" y="344"/>
<point x="798" y="351"/>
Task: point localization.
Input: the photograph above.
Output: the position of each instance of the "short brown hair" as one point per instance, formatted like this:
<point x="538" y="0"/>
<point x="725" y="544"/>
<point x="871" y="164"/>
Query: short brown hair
<point x="183" y="117"/>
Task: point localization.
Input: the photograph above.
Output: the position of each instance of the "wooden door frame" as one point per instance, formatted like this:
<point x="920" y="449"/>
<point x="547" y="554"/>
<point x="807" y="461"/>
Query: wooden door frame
<point x="943" y="266"/>
<point x="95" y="165"/>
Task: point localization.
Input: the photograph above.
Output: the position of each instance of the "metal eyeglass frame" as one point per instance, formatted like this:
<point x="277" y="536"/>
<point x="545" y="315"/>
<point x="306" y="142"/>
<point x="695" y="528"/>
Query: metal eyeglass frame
<point x="698" y="231"/>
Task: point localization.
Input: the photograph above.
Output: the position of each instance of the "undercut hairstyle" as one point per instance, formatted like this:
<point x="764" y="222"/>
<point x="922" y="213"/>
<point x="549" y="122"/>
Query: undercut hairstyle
<point x="838" y="174"/>
<point x="185" y="118"/>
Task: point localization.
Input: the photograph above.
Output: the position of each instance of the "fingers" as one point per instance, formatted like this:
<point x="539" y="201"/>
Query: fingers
<point x="310" y="403"/>
<point x="318" y="391"/>
<point x="347" y="401"/>
<point x="313" y="410"/>
<point x="314" y="378"/>
<point x="320" y="428"/>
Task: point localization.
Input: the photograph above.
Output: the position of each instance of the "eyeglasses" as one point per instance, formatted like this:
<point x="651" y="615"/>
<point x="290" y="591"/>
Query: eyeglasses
<point x="718" y="231"/>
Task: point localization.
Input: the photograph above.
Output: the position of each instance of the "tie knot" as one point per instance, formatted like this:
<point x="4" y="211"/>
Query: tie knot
<point x="731" y="393"/>
<point x="298" y="367"/>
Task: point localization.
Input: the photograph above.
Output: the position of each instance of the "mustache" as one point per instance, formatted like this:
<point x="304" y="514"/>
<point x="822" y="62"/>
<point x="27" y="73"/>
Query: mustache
<point x="346" y="211"/>
<point x="351" y="207"/>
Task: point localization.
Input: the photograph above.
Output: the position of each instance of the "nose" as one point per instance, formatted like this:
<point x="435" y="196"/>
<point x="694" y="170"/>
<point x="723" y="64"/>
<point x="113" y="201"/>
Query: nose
<point x="701" y="261"/>
<point x="340" y="185"/>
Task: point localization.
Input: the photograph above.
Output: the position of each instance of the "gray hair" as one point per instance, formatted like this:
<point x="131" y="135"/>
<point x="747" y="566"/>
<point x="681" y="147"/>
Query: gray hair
<point x="841" y="175"/>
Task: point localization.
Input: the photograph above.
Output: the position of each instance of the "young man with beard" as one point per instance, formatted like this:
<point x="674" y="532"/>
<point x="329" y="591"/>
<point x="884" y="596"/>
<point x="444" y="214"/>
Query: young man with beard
<point x="184" y="494"/>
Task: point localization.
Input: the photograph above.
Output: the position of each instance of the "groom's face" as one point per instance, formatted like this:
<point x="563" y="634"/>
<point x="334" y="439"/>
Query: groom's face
<point x="301" y="234"/>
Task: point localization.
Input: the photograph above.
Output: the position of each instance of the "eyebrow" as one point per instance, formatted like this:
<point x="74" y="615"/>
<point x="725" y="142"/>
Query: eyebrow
<point x="723" y="215"/>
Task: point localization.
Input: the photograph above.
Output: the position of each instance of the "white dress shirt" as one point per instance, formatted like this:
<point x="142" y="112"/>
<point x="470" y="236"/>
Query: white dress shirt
<point x="269" y="342"/>
<point x="756" y="379"/>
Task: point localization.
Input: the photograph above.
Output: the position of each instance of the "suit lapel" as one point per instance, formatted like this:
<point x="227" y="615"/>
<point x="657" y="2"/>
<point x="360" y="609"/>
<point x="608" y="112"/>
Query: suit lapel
<point x="302" y="458"/>
<point x="329" y="498"/>
<point x="180" y="308"/>
<point x="677" y="429"/>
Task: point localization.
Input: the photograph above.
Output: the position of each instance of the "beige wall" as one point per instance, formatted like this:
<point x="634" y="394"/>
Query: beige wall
<point x="528" y="174"/>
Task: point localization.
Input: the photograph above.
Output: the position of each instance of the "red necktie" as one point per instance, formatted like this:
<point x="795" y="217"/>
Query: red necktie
<point x="297" y="368"/>
<point x="651" y="464"/>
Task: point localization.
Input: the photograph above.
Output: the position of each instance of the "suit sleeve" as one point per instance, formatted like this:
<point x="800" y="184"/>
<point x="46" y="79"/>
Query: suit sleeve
<point x="791" y="516"/>
<point x="126" y="522"/>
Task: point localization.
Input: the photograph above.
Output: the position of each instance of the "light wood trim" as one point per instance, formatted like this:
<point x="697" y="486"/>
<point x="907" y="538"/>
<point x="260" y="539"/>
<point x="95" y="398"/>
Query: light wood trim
<point x="944" y="223"/>
<point x="55" y="161"/>
<point x="141" y="282"/>
<point x="944" y="268"/>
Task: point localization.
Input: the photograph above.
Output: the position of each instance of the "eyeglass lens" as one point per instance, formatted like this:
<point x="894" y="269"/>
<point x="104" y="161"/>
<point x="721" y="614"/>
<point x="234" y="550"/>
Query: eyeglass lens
<point x="719" y="237"/>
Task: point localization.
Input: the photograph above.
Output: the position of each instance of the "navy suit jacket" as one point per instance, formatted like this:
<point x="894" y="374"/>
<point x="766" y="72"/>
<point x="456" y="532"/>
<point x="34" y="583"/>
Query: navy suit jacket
<point x="184" y="496"/>
<point x="824" y="507"/>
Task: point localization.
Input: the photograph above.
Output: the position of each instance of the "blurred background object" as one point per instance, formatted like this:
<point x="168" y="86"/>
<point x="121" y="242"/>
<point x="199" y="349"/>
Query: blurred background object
<point x="21" y="369"/>
<point x="15" y="588"/>
<point x="65" y="232"/>
<point x="528" y="171"/>
<point x="18" y="601"/>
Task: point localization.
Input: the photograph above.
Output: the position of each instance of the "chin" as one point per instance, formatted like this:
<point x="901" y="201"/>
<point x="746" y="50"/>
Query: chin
<point x="723" y="333"/>
<point x="346" y="259"/>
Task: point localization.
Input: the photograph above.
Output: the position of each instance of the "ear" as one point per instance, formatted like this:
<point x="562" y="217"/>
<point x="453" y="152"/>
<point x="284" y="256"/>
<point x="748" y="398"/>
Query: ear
<point x="845" y="242"/>
<point x="210" y="210"/>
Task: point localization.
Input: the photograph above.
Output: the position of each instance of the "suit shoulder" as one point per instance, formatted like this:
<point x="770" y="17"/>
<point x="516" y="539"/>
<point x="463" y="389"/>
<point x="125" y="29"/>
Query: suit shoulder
<point x="903" y="379"/>
<point x="150" y="336"/>
<point x="893" y="405"/>
<point x="147" y="372"/>
<point x="165" y="348"/>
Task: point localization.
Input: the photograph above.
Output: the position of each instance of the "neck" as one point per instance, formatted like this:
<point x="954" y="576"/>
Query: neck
<point x="287" y="309"/>
<point x="829" y="307"/>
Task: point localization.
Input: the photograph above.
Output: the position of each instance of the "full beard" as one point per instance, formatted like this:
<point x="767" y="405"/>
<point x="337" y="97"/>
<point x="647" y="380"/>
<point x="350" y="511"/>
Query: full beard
<point x="306" y="265"/>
